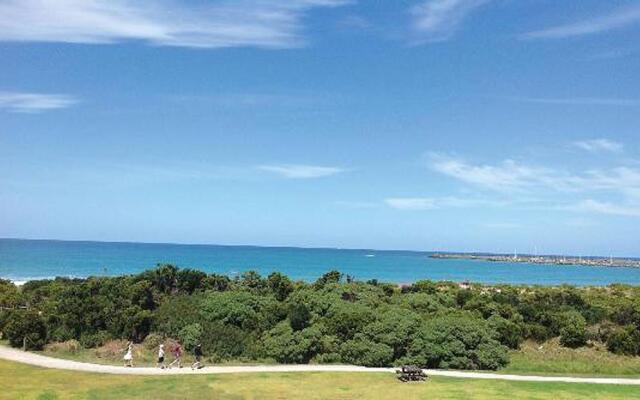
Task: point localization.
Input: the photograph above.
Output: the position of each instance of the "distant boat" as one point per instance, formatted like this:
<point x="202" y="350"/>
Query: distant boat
<point x="369" y="255"/>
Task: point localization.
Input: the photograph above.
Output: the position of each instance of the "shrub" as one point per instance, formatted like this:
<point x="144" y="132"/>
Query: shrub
<point x="299" y="316"/>
<point x="190" y="280"/>
<point x="176" y="313"/>
<point x="226" y="341"/>
<point x="62" y="334"/>
<point x="362" y="351"/>
<point x="91" y="340"/>
<point x="190" y="335"/>
<point x="457" y="340"/>
<point x="422" y="302"/>
<point x="625" y="341"/>
<point x="346" y="319"/>
<point x="285" y="345"/>
<point x="573" y="330"/>
<point x="537" y="332"/>
<point x="393" y="327"/>
<point x="331" y="277"/>
<point x="26" y="327"/>
<point x="508" y="332"/>
<point x="280" y="285"/>
<point x="152" y="341"/>
<point x="245" y="310"/>
<point x="252" y="280"/>
<point x="490" y="356"/>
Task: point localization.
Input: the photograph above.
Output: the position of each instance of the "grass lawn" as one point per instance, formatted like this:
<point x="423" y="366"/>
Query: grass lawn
<point x="551" y="359"/>
<point x="18" y="381"/>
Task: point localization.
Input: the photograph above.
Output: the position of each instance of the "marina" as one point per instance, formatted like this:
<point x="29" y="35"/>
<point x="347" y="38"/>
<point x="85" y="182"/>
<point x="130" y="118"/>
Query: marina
<point x="545" y="259"/>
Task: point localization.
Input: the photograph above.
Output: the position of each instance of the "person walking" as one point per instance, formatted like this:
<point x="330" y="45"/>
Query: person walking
<point x="197" y="352"/>
<point x="160" y="356"/>
<point x="128" y="357"/>
<point x="177" y="356"/>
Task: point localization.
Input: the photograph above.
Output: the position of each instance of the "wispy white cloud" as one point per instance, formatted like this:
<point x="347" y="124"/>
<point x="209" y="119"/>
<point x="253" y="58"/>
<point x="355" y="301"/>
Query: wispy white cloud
<point x="550" y="187"/>
<point x="619" y="18"/>
<point x="439" y="20"/>
<point x="599" y="145"/>
<point x="34" y="102"/>
<point x="511" y="175"/>
<point x="299" y="171"/>
<point x="600" y="207"/>
<point x="508" y="175"/>
<point x="213" y="24"/>
<point x="586" y="101"/>
<point x="411" y="203"/>
<point x="624" y="180"/>
<point x="431" y="203"/>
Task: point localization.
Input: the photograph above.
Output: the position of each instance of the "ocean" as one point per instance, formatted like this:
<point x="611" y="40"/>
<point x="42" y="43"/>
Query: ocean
<point x="23" y="260"/>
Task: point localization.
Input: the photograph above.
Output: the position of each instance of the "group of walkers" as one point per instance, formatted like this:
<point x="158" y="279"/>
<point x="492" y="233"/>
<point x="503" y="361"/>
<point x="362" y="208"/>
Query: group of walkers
<point x="176" y="351"/>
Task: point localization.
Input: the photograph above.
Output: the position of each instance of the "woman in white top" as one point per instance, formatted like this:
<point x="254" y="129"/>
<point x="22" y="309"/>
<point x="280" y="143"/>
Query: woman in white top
<point x="128" y="357"/>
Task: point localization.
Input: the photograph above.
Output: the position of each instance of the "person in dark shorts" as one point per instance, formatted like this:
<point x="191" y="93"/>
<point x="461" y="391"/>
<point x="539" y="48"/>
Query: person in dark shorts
<point x="197" y="352"/>
<point x="161" y="356"/>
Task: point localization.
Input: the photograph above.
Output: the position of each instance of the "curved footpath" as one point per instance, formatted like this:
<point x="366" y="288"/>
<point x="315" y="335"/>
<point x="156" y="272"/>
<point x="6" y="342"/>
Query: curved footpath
<point x="10" y="354"/>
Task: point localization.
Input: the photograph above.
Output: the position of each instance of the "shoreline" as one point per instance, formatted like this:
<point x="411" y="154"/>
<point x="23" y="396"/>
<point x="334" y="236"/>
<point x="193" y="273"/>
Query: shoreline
<point x="464" y="284"/>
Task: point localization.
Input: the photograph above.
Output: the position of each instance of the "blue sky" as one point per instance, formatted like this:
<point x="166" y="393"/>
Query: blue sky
<point x="475" y="125"/>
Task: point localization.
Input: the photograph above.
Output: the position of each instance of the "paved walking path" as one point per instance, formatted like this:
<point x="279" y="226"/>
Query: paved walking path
<point x="51" y="362"/>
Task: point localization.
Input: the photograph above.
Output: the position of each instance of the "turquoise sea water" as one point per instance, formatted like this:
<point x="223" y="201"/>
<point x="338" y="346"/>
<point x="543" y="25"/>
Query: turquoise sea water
<point x="22" y="260"/>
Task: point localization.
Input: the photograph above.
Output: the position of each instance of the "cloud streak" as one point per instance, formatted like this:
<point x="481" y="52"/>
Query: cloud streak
<point x="411" y="203"/>
<point x="508" y="175"/>
<point x="215" y="24"/>
<point x="32" y="103"/>
<point x="439" y="20"/>
<point x="599" y="145"/>
<point x="551" y="186"/>
<point x="300" y="171"/>
<point x="600" y="207"/>
<point x="432" y="203"/>
<point x="618" y="19"/>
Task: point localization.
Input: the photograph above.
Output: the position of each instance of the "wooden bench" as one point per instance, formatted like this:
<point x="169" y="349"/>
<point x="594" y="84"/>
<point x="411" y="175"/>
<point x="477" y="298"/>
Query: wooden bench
<point x="411" y="373"/>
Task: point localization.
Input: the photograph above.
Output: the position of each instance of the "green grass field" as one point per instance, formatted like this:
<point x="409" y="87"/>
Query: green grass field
<point x="18" y="381"/>
<point x="553" y="359"/>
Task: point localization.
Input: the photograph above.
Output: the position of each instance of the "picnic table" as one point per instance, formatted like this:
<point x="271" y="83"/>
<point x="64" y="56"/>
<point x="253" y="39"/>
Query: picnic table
<point x="411" y="373"/>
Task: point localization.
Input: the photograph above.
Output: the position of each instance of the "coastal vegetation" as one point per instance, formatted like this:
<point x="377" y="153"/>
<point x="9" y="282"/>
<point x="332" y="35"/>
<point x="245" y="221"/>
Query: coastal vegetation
<point x="252" y="318"/>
